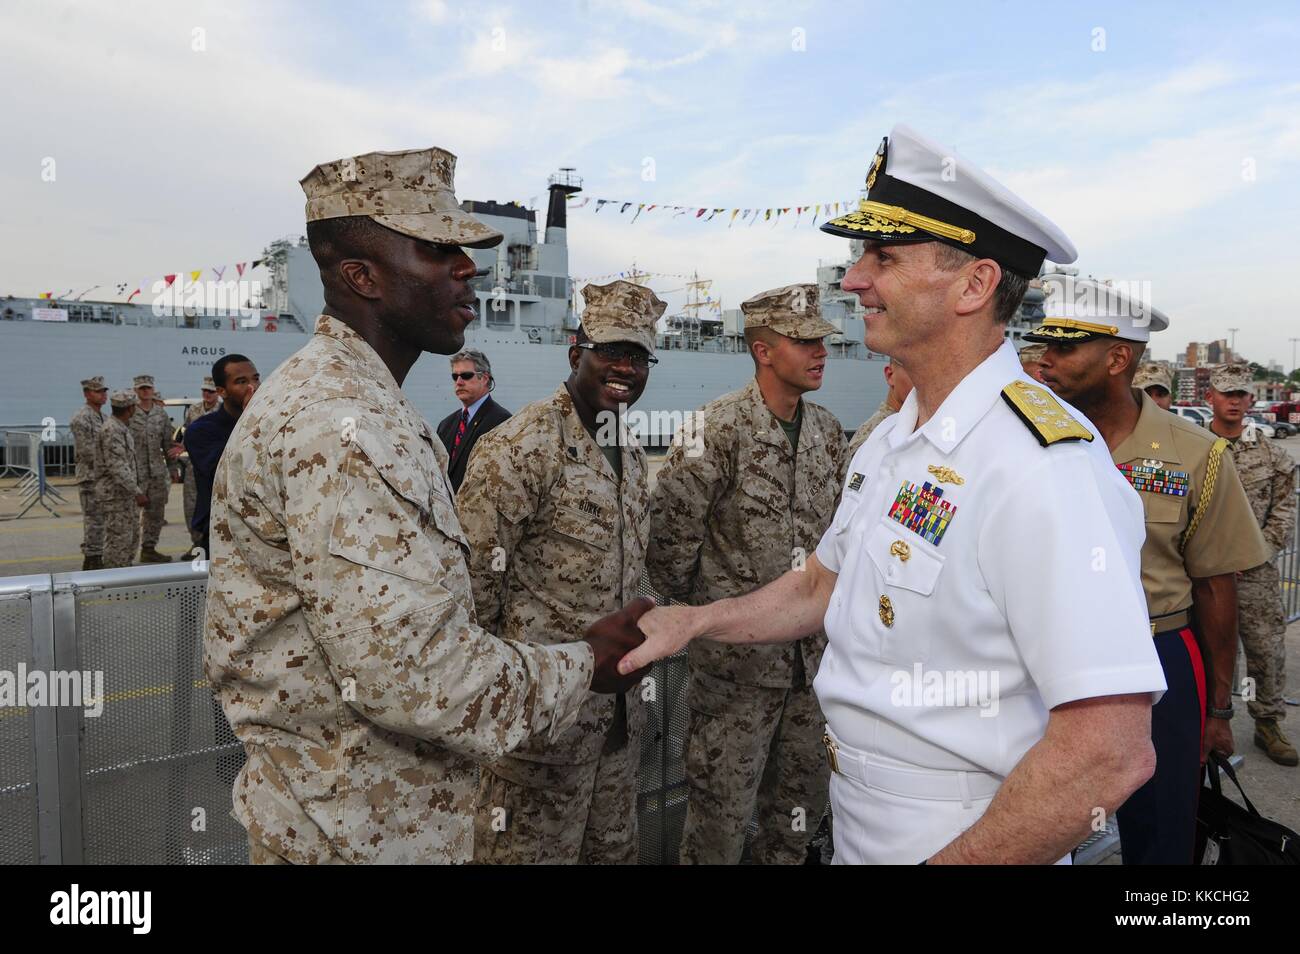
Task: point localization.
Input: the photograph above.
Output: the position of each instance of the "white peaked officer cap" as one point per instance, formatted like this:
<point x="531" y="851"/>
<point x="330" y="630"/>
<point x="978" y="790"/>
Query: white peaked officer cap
<point x="918" y="191"/>
<point x="1080" y="309"/>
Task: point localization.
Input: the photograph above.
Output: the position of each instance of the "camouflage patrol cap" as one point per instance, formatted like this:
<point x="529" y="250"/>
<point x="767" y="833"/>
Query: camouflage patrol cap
<point x="621" y="311"/>
<point x="793" y="310"/>
<point x="209" y="384"/>
<point x="1227" y="378"/>
<point x="1152" y="375"/>
<point x="142" y="381"/>
<point x="412" y="192"/>
<point x="94" y="384"/>
<point x="1032" y="352"/>
<point x="123" y="399"/>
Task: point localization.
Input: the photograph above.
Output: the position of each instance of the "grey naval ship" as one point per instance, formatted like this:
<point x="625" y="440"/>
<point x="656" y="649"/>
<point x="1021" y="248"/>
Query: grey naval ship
<point x="527" y="316"/>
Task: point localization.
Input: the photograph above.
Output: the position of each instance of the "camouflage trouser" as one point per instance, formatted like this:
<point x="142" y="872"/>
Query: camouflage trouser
<point x="533" y="813"/>
<point x="121" y="531"/>
<point x="750" y="744"/>
<point x="151" y="517"/>
<point x="188" y="498"/>
<point x="1262" y="625"/>
<point x="92" y="522"/>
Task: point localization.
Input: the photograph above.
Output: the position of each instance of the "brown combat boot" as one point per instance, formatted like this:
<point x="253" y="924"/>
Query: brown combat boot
<point x="1269" y="737"/>
<point x="151" y="555"/>
<point x="92" y="563"/>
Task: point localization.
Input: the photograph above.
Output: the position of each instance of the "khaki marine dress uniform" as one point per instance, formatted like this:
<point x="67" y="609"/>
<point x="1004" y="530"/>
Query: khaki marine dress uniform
<point x="340" y="631"/>
<point x="1198" y="525"/>
<point x="723" y="523"/>
<point x="85" y="425"/>
<point x="116" y="486"/>
<point x="1169" y="462"/>
<point x="557" y="540"/>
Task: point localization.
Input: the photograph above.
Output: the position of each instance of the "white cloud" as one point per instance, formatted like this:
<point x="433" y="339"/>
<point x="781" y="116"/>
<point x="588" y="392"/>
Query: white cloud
<point x="434" y="11"/>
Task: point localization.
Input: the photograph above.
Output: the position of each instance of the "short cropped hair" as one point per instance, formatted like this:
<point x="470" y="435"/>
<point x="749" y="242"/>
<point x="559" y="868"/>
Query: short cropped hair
<point x="219" y="368"/>
<point x="1006" y="297"/>
<point x="347" y="236"/>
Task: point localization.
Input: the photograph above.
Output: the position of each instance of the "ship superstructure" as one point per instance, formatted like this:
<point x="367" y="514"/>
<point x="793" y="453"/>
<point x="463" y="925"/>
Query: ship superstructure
<point x="526" y="321"/>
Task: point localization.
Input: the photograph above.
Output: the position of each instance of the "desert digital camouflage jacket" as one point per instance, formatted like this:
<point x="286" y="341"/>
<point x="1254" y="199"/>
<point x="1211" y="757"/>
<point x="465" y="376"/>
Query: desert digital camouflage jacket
<point x="151" y="430"/>
<point x="555" y="543"/>
<point x="85" y="425"/>
<point x="340" y="629"/>
<point x="738" y="515"/>
<point x="115" y="475"/>
<point x="1267" y="473"/>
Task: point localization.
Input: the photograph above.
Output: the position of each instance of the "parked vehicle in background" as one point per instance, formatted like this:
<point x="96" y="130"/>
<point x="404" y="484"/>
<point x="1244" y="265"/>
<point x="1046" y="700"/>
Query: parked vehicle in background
<point x="1197" y="415"/>
<point x="1285" y="413"/>
<point x="1264" y="427"/>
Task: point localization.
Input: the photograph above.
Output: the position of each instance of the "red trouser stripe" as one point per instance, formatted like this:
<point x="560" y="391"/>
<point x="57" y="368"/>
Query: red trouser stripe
<point x="1198" y="668"/>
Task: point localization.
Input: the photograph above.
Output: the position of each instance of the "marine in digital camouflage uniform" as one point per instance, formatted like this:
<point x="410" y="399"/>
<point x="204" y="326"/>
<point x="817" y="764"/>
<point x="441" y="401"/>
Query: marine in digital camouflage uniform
<point x="117" y="486"/>
<point x="190" y="491"/>
<point x="732" y="510"/>
<point x="1268" y="474"/>
<point x="151" y="429"/>
<point x="900" y="386"/>
<point x="85" y="425"/>
<point x="1154" y="379"/>
<point x="340" y="631"/>
<point x="556" y="513"/>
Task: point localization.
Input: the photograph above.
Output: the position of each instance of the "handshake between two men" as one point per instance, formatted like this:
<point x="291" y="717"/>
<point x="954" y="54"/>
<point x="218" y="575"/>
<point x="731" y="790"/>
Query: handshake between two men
<point x="625" y="652"/>
<point x="628" y="641"/>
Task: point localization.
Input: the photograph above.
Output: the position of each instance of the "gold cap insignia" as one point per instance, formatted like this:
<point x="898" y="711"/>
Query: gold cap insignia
<point x="876" y="163"/>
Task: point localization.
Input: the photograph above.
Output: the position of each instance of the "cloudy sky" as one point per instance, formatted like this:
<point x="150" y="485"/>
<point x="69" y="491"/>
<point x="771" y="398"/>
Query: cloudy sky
<point x="1165" y="140"/>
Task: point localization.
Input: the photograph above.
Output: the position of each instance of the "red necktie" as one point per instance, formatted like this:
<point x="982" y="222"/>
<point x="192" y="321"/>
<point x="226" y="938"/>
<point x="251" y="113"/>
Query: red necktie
<point x="460" y="431"/>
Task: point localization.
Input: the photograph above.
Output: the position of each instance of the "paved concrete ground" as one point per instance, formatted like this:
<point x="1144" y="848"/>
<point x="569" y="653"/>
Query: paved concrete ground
<point x="40" y="543"/>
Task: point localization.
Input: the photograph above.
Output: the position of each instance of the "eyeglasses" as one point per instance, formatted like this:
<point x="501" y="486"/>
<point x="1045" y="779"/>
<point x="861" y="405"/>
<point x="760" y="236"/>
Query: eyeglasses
<point x="465" y="375"/>
<point x="615" y="353"/>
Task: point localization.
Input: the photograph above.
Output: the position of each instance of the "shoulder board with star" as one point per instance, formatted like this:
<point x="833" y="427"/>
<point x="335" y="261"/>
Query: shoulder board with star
<point x="1043" y="414"/>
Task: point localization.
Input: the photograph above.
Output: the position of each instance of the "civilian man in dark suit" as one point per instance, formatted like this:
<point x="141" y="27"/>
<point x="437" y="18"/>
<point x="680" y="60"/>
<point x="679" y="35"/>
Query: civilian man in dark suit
<point x="471" y="374"/>
<point x="236" y="380"/>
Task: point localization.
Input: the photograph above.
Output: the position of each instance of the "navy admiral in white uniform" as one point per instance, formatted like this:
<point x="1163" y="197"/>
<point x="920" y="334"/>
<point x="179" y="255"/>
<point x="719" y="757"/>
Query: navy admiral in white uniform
<point x="990" y="674"/>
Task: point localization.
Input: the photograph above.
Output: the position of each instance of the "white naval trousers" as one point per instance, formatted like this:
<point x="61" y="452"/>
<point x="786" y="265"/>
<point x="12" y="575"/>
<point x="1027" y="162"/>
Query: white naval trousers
<point x="888" y="812"/>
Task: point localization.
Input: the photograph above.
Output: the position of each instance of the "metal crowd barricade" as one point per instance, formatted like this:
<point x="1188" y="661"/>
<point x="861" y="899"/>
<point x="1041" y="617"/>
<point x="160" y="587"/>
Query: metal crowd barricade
<point x="1288" y="565"/>
<point x="148" y="780"/>
<point x="25" y="456"/>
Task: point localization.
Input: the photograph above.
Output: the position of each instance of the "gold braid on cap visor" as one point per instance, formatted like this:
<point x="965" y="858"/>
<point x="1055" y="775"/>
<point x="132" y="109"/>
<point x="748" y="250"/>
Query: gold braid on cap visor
<point x="879" y="217"/>
<point x="1066" y="328"/>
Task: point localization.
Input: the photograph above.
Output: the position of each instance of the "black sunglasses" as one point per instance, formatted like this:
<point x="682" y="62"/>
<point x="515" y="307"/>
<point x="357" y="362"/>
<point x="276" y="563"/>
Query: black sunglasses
<point x="464" y="375"/>
<point x="618" y="352"/>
